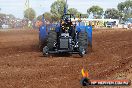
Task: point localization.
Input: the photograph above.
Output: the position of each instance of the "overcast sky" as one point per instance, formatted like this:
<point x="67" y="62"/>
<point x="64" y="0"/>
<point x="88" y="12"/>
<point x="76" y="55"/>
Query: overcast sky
<point x="16" y="7"/>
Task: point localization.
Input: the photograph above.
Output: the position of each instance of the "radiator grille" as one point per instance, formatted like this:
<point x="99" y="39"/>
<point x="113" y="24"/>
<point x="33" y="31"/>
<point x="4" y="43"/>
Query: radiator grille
<point x="64" y="43"/>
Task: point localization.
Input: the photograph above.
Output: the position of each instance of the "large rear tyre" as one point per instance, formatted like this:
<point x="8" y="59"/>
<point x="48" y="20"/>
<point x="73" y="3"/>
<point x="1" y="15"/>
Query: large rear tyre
<point x="83" y="43"/>
<point x="52" y="38"/>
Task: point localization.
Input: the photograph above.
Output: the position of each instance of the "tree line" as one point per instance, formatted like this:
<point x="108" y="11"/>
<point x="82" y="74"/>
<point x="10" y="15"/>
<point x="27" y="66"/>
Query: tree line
<point x="123" y="11"/>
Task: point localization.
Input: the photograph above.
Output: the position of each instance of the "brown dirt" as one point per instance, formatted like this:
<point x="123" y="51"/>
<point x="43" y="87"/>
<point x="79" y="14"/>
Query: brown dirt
<point x="23" y="66"/>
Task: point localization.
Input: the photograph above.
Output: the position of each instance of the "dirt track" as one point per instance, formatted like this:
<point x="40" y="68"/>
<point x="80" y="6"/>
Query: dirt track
<point x="23" y="66"/>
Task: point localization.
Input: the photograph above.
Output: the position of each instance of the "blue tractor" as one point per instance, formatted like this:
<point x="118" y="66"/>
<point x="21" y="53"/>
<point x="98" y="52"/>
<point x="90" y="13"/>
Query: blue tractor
<point x="65" y="37"/>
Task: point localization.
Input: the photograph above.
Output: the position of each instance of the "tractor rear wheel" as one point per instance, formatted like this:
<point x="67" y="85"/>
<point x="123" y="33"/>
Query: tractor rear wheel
<point x="52" y="38"/>
<point x="83" y="41"/>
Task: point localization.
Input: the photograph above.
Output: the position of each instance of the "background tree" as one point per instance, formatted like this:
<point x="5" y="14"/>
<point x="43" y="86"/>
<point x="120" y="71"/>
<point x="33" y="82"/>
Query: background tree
<point x="11" y="16"/>
<point x="112" y="13"/>
<point x="29" y="14"/>
<point x="57" y="9"/>
<point x="39" y="17"/>
<point x="85" y="15"/>
<point x="127" y="4"/>
<point x="96" y="10"/>
<point x="47" y="16"/>
<point x="2" y="17"/>
<point x="73" y="11"/>
<point x="126" y="9"/>
<point x="121" y="6"/>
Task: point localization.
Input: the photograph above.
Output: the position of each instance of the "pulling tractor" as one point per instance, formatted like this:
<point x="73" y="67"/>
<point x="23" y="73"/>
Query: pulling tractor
<point x="65" y="37"/>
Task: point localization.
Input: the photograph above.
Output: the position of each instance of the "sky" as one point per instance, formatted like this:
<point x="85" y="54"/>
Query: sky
<point x="17" y="7"/>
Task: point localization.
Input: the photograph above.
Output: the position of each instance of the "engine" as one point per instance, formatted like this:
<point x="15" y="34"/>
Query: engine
<point x="66" y="34"/>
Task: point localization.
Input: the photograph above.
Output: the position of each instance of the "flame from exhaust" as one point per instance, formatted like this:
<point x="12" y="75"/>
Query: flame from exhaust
<point x="84" y="73"/>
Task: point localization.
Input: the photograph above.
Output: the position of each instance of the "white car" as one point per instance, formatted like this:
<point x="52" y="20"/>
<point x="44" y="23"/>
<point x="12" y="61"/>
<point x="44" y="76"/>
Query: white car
<point x="4" y="26"/>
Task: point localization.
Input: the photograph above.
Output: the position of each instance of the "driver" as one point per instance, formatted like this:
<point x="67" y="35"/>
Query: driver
<point x="66" y="24"/>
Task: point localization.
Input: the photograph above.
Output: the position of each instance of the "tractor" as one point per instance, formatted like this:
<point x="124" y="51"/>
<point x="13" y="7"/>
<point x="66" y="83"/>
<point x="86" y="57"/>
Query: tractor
<point x="65" y="37"/>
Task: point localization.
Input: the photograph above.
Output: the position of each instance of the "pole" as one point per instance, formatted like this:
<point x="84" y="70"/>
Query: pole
<point x="65" y="8"/>
<point x="28" y="9"/>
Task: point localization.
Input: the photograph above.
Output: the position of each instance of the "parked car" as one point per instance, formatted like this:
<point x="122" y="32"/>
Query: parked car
<point x="5" y="26"/>
<point x="109" y="24"/>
